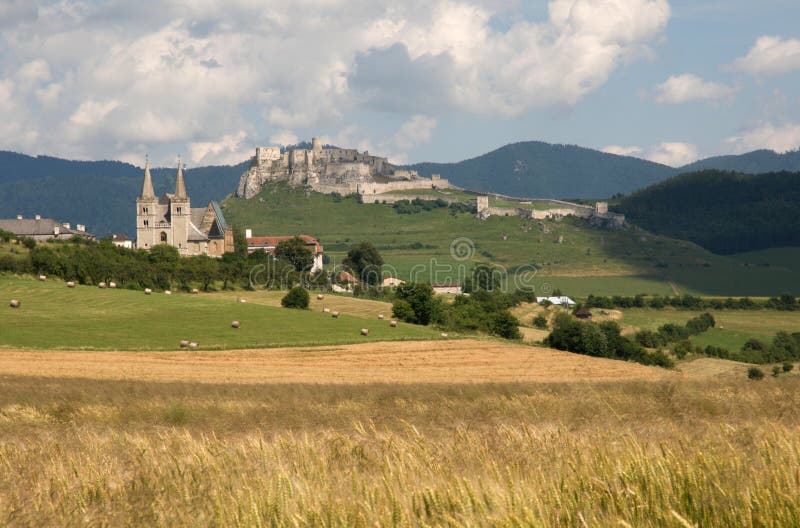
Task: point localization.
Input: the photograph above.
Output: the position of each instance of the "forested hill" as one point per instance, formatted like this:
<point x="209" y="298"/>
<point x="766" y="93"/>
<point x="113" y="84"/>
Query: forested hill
<point x="724" y="212"/>
<point x="100" y="194"/>
<point x="756" y="162"/>
<point x="536" y="169"/>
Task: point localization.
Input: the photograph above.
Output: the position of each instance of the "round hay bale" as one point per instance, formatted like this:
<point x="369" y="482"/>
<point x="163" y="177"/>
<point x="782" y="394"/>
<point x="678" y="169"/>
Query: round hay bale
<point x="70" y="284"/>
<point x="335" y="315"/>
<point x="42" y="278"/>
<point x="444" y="335"/>
<point x="320" y="297"/>
<point x="102" y="285"/>
<point x="326" y="310"/>
<point x="393" y="324"/>
<point x="184" y="343"/>
<point x="242" y="300"/>
<point x="193" y="345"/>
<point x="195" y="291"/>
<point x="364" y="331"/>
<point x="235" y="324"/>
<point x="167" y="292"/>
<point x="112" y="284"/>
<point x="15" y="303"/>
<point x="148" y="291"/>
<point x="380" y="316"/>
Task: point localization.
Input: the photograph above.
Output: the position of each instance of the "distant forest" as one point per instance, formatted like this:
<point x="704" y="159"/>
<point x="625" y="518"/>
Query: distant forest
<point x="724" y="212"/>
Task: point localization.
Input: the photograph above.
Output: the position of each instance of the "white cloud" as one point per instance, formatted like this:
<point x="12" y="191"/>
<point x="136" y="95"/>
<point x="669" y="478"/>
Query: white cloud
<point x="771" y="55"/>
<point x="284" y="138"/>
<point x="780" y="138"/>
<point x="674" y="154"/>
<point x="687" y="87"/>
<point x="96" y="79"/>
<point x="229" y="150"/>
<point x="619" y="150"/>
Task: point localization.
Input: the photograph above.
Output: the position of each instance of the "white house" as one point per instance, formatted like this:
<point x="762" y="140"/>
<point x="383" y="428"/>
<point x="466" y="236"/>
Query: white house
<point x="557" y="301"/>
<point x="447" y="288"/>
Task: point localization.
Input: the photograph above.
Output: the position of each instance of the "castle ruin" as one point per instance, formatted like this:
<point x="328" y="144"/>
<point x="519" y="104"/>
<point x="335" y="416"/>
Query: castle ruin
<point x="329" y="170"/>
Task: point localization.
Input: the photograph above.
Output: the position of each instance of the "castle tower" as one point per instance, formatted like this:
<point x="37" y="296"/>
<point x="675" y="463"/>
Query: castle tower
<point x="316" y="145"/>
<point x="180" y="213"/>
<point x="146" y="206"/>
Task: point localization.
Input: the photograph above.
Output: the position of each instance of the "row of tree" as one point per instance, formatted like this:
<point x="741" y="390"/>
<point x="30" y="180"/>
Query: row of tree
<point x="784" y="302"/>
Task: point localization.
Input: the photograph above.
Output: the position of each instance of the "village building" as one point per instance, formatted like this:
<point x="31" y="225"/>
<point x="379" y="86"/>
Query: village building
<point x="121" y="240"/>
<point x="557" y="301"/>
<point x="447" y="288"/>
<point x="391" y="282"/>
<point x="172" y="220"/>
<point x="269" y="243"/>
<point x="44" y="229"/>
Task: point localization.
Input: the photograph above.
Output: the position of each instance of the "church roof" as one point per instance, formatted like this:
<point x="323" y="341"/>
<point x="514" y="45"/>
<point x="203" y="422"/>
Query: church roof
<point x="147" y="184"/>
<point x="180" y="186"/>
<point x="195" y="235"/>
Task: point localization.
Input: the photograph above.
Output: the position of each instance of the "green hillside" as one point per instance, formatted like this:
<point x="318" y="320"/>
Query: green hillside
<point x="756" y="162"/>
<point x="725" y="212"/>
<point x="569" y="254"/>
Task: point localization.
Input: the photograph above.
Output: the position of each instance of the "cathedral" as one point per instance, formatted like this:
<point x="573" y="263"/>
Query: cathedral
<point x="171" y="220"/>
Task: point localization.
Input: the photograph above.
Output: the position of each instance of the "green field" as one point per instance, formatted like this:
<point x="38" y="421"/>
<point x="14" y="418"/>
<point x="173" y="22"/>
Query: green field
<point x="53" y="316"/>
<point x="568" y="254"/>
<point x="733" y="329"/>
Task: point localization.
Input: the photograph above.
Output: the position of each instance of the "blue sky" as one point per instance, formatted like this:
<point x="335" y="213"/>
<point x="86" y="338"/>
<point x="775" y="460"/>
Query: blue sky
<point x="434" y="80"/>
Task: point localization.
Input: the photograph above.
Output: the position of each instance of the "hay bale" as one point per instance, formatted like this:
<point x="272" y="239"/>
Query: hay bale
<point x="15" y="303"/>
<point x="42" y="278"/>
<point x="320" y="297"/>
<point x="326" y="310"/>
<point x="112" y="284"/>
<point x="444" y="335"/>
<point x="242" y="300"/>
<point x="70" y="284"/>
<point x="335" y="315"/>
<point x="235" y="324"/>
<point x="380" y="316"/>
<point x="167" y="292"/>
<point x="364" y="331"/>
<point x="102" y="285"/>
<point x="393" y="324"/>
<point x="195" y="291"/>
<point x="193" y="345"/>
<point x="184" y="343"/>
<point x="148" y="291"/>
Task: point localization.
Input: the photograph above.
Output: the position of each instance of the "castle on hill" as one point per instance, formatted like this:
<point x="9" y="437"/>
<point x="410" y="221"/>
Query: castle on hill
<point x="329" y="170"/>
<point x="172" y="220"/>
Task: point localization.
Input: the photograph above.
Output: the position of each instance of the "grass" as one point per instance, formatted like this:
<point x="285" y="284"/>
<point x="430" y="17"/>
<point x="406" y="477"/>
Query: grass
<point x="53" y="316"/>
<point x="682" y="452"/>
<point x="587" y="260"/>
<point x="734" y="327"/>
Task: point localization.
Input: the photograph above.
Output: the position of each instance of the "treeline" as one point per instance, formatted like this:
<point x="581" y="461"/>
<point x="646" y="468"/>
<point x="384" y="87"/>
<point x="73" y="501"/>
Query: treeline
<point x="671" y="332"/>
<point x="418" y="205"/>
<point x="481" y="311"/>
<point x="782" y="348"/>
<point x="785" y="302"/>
<point x="724" y="212"/>
<point x="601" y="340"/>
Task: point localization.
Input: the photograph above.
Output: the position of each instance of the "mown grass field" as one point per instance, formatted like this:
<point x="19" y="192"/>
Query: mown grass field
<point x="734" y="327"/>
<point x="586" y="260"/>
<point x="54" y="316"/>
<point x="682" y="451"/>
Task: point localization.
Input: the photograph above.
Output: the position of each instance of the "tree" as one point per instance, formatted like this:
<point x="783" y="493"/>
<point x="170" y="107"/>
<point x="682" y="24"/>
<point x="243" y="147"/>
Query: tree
<point x="419" y="297"/>
<point x="164" y="253"/>
<point x="365" y="261"/>
<point x="504" y="325"/>
<point x="540" y="322"/>
<point x="402" y="310"/>
<point x="296" y="298"/>
<point x="755" y="373"/>
<point x="296" y="251"/>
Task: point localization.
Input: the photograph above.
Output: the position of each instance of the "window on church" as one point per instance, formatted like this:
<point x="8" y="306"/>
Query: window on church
<point x="146" y="223"/>
<point x="179" y="210"/>
<point x="163" y="236"/>
<point x="144" y="210"/>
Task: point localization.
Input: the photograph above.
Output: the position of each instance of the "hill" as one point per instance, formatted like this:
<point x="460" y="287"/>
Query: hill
<point x="756" y="162"/>
<point x="725" y="212"/>
<point x="567" y="254"/>
<point x="536" y="169"/>
<point x="99" y="194"/>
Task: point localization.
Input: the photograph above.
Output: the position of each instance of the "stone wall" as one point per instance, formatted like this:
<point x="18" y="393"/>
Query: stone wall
<point x="394" y="198"/>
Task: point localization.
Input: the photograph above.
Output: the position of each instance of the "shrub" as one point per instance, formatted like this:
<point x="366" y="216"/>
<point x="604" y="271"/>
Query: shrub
<point x="788" y="366"/>
<point x="296" y="298"/>
<point x="776" y="371"/>
<point x="504" y="325"/>
<point x="401" y="309"/>
<point x="755" y="373"/>
<point x="540" y="322"/>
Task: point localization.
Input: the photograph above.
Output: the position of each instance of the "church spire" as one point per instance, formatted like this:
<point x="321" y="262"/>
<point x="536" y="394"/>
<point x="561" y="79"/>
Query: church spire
<point x="147" y="185"/>
<point x="180" y="186"/>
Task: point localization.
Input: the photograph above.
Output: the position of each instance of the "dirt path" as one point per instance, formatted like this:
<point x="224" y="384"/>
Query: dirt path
<point x="462" y="361"/>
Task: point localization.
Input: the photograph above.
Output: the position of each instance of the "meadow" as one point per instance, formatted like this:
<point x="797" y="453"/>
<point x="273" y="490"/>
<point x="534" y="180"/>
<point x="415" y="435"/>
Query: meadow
<point x="53" y="316"/>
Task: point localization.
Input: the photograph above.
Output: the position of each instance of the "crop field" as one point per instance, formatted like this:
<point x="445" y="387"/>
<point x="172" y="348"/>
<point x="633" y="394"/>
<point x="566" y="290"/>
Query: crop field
<point x="53" y="316"/>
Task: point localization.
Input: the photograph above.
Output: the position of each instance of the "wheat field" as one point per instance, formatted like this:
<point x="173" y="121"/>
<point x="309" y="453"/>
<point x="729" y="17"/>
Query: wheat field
<point x="140" y="450"/>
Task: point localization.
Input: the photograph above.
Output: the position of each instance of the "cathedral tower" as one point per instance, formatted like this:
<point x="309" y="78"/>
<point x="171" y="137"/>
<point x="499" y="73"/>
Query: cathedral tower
<point x="146" y="209"/>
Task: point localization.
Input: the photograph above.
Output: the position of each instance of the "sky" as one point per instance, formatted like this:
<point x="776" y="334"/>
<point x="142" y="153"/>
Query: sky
<point x="417" y="80"/>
